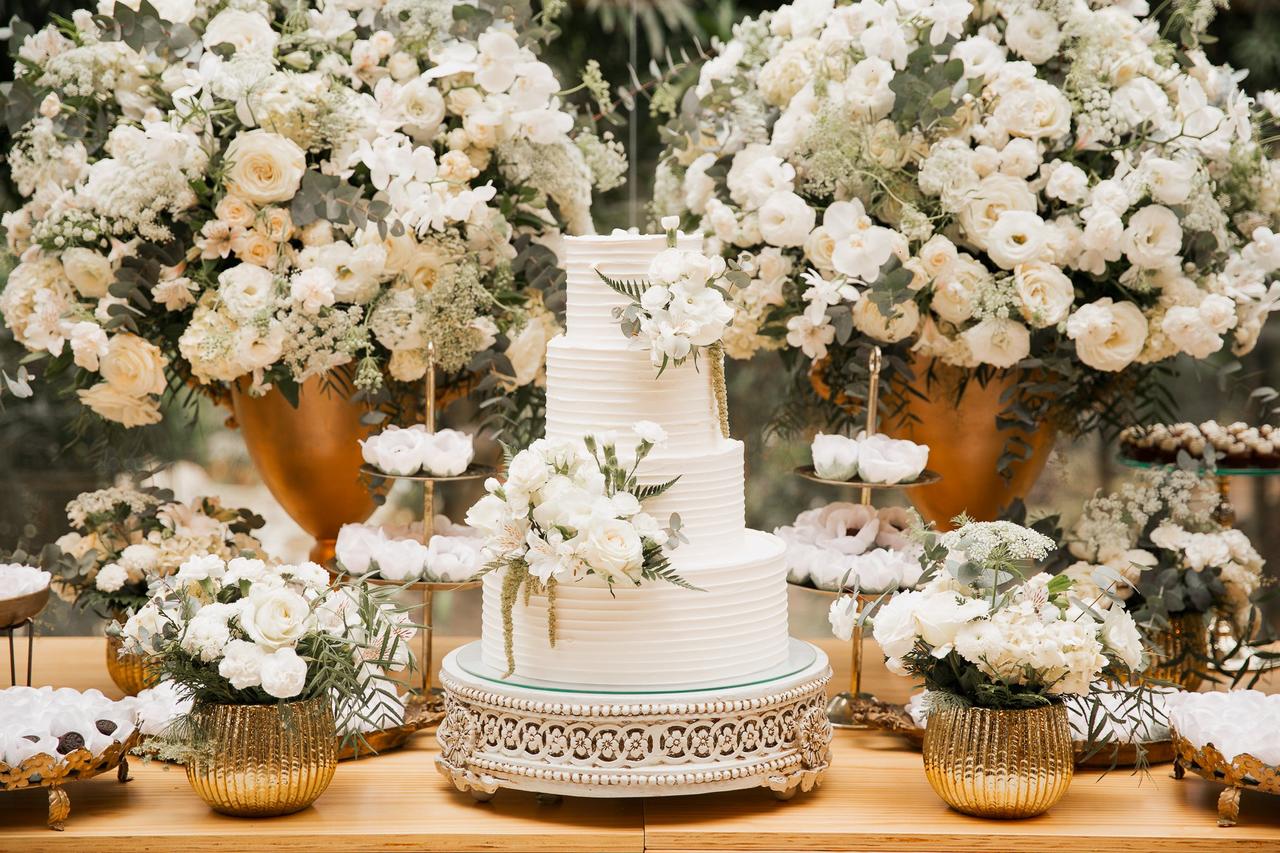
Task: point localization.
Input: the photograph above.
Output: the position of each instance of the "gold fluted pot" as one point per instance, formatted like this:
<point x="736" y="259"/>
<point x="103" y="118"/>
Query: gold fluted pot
<point x="999" y="763"/>
<point x="309" y="456"/>
<point x="964" y="444"/>
<point x="1182" y="651"/>
<point x="264" y="760"/>
<point x="129" y="672"/>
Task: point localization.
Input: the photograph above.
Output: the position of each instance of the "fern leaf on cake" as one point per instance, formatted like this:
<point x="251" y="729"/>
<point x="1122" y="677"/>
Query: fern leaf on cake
<point x="653" y="490"/>
<point x="633" y="289"/>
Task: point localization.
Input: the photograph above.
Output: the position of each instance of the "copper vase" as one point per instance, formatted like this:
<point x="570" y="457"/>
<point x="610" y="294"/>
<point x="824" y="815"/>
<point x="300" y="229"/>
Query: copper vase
<point x="999" y="763"/>
<point x="965" y="444"/>
<point x="1180" y="652"/>
<point x="263" y="760"/>
<point x="309" y="456"/>
<point x="129" y="672"/>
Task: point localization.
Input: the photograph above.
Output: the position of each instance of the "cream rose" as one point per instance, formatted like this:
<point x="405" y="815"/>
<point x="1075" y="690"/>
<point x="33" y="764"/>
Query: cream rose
<point x="253" y="247"/>
<point x="133" y="366"/>
<point x="998" y="342"/>
<point x="1109" y="335"/>
<point x="1045" y="294"/>
<point x="275" y="619"/>
<point x="88" y="271"/>
<point x="900" y="325"/>
<point x="235" y="211"/>
<point x="1035" y="110"/>
<point x="265" y="167"/>
<point x="612" y="548"/>
<point x="114" y="405"/>
<point x="994" y="195"/>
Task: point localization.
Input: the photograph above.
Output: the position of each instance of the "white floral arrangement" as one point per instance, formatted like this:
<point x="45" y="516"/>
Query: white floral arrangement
<point x="852" y="546"/>
<point x="682" y="307"/>
<point x="452" y="555"/>
<point x="122" y="539"/>
<point x="570" y="510"/>
<point x="17" y="580"/>
<point x="986" y="184"/>
<point x="874" y="458"/>
<point x="1157" y="550"/>
<point x="268" y="192"/>
<point x="1237" y="722"/>
<point x="56" y="722"/>
<point x="415" y="450"/>
<point x="984" y="628"/>
<point x="242" y="632"/>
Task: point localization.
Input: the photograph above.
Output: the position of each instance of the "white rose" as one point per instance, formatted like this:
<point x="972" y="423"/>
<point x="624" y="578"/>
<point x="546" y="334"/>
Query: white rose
<point x="133" y="366"/>
<point x="1020" y="158"/>
<point x="113" y="404"/>
<point x="786" y="219"/>
<point x="447" y="453"/>
<point x="1153" y="238"/>
<point x="1033" y="34"/>
<point x="994" y="195"/>
<point x="247" y="290"/>
<point x="527" y="472"/>
<point x="650" y="432"/>
<point x="938" y="256"/>
<point x="939" y="616"/>
<point x="843" y="615"/>
<point x="241" y="664"/>
<point x="487" y="515"/>
<point x="264" y="166"/>
<point x="612" y="548"/>
<point x="981" y="56"/>
<point x="88" y="271"/>
<point x="283" y="674"/>
<point x="900" y="325"/>
<point x="399" y="559"/>
<point x="274" y="618"/>
<point x="893" y="627"/>
<point x="396" y="451"/>
<point x="1169" y="181"/>
<point x="111" y="577"/>
<point x="1184" y="326"/>
<point x="1139" y="100"/>
<point x="819" y="247"/>
<point x="1036" y="110"/>
<point x="1121" y="637"/>
<point x="1108" y="335"/>
<point x="835" y="457"/>
<point x="1018" y="237"/>
<point x="998" y="341"/>
<point x="355" y="546"/>
<point x="882" y="459"/>
<point x="247" y="32"/>
<point x="1045" y="294"/>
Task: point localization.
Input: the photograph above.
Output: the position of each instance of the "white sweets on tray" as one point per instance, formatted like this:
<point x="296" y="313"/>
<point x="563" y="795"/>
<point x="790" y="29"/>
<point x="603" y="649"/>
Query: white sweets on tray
<point x="1236" y="723"/>
<point x="17" y="580"/>
<point x="875" y="458"/>
<point x="417" y="450"/>
<point x="451" y="556"/>
<point x="852" y="546"/>
<point x="35" y="720"/>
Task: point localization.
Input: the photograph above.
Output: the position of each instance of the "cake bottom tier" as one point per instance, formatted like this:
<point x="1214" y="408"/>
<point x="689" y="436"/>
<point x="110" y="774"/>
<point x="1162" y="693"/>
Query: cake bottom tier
<point x="656" y="635"/>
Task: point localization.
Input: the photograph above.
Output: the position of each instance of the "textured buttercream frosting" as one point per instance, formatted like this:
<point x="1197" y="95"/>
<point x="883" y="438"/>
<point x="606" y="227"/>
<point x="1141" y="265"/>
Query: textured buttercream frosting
<point x="657" y="635"/>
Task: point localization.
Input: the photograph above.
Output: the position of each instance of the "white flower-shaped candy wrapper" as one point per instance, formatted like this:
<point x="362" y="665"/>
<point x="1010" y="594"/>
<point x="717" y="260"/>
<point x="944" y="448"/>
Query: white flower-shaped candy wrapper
<point x="853" y="545"/>
<point x="17" y="580"/>
<point x="36" y="720"/>
<point x="413" y="450"/>
<point x="835" y="457"/>
<point x="157" y="707"/>
<point x="397" y="554"/>
<point x="870" y="458"/>
<point x="1236" y="722"/>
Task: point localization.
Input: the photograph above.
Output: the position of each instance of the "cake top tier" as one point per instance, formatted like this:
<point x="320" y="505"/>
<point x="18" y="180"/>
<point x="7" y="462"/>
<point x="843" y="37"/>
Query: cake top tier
<point x="625" y="255"/>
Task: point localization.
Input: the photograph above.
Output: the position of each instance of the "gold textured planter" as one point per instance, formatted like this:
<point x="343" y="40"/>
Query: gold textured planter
<point x="996" y="763"/>
<point x="129" y="672"/>
<point x="264" y="760"/>
<point x="1182" y="650"/>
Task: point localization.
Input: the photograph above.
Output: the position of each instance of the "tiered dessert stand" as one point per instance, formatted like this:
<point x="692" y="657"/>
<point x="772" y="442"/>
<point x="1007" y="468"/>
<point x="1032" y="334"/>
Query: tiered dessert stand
<point x="15" y="613"/>
<point x="427" y="708"/>
<point x="555" y="739"/>
<point x="854" y="709"/>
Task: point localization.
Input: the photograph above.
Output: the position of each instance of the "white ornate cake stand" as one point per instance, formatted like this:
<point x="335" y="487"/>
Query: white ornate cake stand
<point x="773" y="732"/>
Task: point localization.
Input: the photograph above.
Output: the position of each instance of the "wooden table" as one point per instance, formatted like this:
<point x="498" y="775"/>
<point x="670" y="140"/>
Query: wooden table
<point x="874" y="798"/>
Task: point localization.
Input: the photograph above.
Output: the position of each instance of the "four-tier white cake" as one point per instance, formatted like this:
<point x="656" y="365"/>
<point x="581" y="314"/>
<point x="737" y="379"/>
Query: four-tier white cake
<point x="657" y="635"/>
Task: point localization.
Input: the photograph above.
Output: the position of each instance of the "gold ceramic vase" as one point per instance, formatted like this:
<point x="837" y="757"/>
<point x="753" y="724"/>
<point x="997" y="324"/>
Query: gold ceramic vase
<point x="264" y="760"/>
<point x="129" y="672"/>
<point x="965" y="445"/>
<point x="999" y="763"/>
<point x="1182" y="650"/>
<point x="309" y="456"/>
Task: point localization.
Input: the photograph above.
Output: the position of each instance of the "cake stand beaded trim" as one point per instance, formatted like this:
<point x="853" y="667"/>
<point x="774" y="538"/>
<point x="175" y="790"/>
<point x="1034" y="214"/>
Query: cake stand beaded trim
<point x="773" y="733"/>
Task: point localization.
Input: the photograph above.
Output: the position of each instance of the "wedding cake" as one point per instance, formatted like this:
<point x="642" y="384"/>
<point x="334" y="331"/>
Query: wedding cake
<point x="733" y="626"/>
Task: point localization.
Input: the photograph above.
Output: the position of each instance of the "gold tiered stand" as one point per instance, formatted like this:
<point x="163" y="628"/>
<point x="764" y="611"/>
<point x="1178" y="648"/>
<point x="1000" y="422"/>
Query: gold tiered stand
<point x="427" y="708"/>
<point x="853" y="709"/>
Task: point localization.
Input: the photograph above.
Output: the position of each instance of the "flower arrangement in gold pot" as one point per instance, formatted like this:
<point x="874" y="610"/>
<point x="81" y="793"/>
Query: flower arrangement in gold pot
<point x="1177" y="567"/>
<point x="277" y="661"/>
<point x="1000" y="647"/>
<point x="122" y="539"/>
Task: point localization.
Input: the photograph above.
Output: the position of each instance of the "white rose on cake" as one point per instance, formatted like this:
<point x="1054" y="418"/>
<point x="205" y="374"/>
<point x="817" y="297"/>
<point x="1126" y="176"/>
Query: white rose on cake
<point x="612" y="548"/>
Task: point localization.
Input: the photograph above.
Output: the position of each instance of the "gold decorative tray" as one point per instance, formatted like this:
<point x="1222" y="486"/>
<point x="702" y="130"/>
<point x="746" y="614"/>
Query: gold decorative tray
<point x="44" y="771"/>
<point x="418" y="715"/>
<point x="1244" y="772"/>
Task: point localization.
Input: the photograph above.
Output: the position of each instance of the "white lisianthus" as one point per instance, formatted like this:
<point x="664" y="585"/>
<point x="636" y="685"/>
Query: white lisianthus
<point x="786" y="219"/>
<point x="999" y="342"/>
<point x="1109" y="335"/>
<point x="283" y="673"/>
<point x="1153" y="238"/>
<point x="274" y="618"/>
<point x="1018" y="237"/>
<point x="835" y="457"/>
<point x="1033" y="34"/>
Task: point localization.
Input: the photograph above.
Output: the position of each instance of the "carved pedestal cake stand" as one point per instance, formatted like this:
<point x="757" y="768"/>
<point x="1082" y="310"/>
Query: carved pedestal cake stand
<point x="771" y="733"/>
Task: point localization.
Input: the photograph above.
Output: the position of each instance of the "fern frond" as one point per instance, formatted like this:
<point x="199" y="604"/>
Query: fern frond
<point x="633" y="289"/>
<point x="653" y="490"/>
